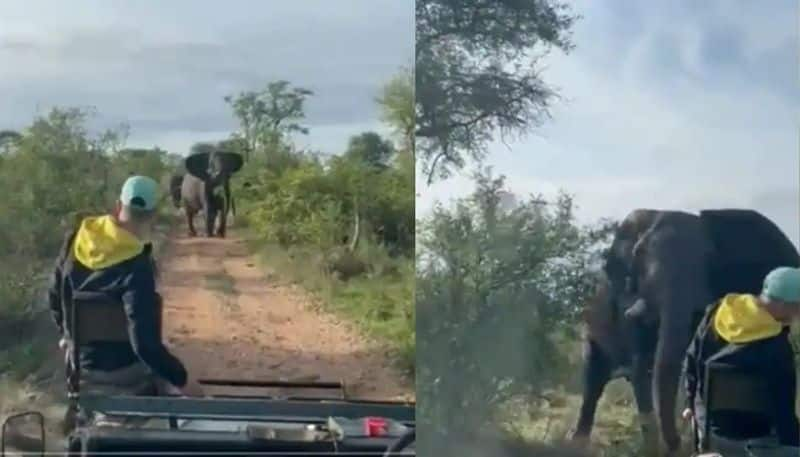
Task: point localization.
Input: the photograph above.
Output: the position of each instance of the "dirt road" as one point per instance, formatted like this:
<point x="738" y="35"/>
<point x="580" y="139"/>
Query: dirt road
<point x="228" y="318"/>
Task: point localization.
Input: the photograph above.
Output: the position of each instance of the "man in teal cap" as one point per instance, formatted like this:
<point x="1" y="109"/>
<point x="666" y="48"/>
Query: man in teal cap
<point x="110" y="254"/>
<point x="750" y="333"/>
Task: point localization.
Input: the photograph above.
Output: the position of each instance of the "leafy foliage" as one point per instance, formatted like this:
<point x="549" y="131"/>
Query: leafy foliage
<point x="370" y="149"/>
<point x="494" y="285"/>
<point x="397" y="108"/>
<point x="266" y="117"/>
<point x="477" y="71"/>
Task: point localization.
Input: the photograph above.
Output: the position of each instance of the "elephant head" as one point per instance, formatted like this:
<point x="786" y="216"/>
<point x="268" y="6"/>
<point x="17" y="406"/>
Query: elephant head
<point x="620" y="259"/>
<point x="212" y="165"/>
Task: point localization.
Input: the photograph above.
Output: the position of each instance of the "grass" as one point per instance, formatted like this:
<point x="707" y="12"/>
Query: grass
<point x="383" y="308"/>
<point x="549" y="417"/>
<point x="380" y="303"/>
<point x="19" y="361"/>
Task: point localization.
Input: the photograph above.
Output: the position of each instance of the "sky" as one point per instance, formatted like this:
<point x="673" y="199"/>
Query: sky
<point x="671" y="105"/>
<point x="164" y="67"/>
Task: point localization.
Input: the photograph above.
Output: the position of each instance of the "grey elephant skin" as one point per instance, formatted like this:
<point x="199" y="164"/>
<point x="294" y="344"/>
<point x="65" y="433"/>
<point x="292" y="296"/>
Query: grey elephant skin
<point x="205" y="187"/>
<point x="661" y="272"/>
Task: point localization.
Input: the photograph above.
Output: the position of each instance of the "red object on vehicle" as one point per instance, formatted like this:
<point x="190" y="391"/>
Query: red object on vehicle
<point x="375" y="426"/>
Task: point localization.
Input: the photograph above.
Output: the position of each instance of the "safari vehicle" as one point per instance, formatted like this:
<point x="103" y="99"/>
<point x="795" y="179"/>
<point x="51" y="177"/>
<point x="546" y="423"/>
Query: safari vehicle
<point x="242" y="425"/>
<point x="218" y="424"/>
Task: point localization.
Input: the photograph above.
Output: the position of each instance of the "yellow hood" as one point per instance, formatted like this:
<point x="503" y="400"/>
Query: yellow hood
<point x="740" y="319"/>
<point x="101" y="243"/>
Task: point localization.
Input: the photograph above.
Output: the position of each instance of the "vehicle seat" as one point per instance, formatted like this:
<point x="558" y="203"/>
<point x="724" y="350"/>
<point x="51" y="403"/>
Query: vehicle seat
<point x="729" y="388"/>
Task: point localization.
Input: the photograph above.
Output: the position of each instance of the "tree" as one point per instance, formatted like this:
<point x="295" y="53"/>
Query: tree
<point x="141" y="161"/>
<point x="477" y="72"/>
<point x="494" y="281"/>
<point x="267" y="116"/>
<point x="174" y="162"/>
<point x="397" y="105"/>
<point x="370" y="149"/>
<point x="8" y="140"/>
<point x="236" y="143"/>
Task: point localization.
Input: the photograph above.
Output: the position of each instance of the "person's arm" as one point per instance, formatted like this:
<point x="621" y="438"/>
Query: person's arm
<point x="692" y="358"/>
<point x="782" y="380"/>
<point x="690" y="372"/>
<point x="54" y="298"/>
<point x="140" y="307"/>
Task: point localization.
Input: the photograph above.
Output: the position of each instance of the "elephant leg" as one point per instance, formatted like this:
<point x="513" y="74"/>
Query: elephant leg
<point x="223" y="218"/>
<point x="596" y="375"/>
<point x="211" y="214"/>
<point x="222" y="224"/>
<point x="190" y="221"/>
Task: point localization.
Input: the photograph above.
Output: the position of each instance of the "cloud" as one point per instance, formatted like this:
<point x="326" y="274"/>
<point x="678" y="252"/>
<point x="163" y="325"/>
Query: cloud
<point x="671" y="106"/>
<point x="166" y="67"/>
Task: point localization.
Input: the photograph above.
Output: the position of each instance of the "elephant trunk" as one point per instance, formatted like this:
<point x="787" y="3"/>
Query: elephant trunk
<point x="666" y="374"/>
<point x="673" y="258"/>
<point x="686" y="294"/>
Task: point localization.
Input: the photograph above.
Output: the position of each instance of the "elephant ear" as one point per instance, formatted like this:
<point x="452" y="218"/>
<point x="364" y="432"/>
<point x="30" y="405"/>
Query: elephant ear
<point x="232" y="161"/>
<point x="197" y="165"/>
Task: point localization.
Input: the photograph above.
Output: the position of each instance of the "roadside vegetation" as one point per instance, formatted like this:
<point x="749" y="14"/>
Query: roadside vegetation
<point x="342" y="226"/>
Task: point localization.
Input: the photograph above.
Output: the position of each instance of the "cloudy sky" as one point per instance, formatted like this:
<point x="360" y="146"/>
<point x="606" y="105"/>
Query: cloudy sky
<point x="164" y="67"/>
<point x="668" y="105"/>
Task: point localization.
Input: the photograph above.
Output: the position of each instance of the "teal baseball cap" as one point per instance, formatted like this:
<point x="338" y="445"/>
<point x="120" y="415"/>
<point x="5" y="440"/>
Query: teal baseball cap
<point x="139" y="192"/>
<point x="783" y="284"/>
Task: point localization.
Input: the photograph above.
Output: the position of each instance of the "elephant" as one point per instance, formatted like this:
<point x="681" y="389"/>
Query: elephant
<point x="662" y="271"/>
<point x="207" y="171"/>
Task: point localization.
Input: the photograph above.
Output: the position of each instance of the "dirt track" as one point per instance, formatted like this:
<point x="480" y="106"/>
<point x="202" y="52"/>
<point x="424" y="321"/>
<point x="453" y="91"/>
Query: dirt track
<point x="226" y="318"/>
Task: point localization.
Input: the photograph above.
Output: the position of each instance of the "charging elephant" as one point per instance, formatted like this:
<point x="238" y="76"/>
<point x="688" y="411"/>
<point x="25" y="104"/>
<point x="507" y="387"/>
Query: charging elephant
<point x="208" y="171"/>
<point x="661" y="272"/>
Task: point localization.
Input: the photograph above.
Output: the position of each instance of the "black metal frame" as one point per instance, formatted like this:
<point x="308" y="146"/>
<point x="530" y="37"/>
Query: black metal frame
<point x="322" y="385"/>
<point x="88" y="439"/>
<point x="42" y="437"/>
<point x="705" y="443"/>
<point x="245" y="408"/>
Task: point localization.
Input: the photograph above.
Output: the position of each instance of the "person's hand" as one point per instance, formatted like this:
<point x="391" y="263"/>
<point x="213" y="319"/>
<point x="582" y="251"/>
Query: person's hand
<point x="170" y="389"/>
<point x="687" y="414"/>
<point x="192" y="389"/>
<point x="62" y="343"/>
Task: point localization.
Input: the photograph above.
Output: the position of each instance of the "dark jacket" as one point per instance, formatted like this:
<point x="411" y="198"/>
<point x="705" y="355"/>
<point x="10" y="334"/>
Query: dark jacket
<point x="99" y="256"/>
<point x="735" y="331"/>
